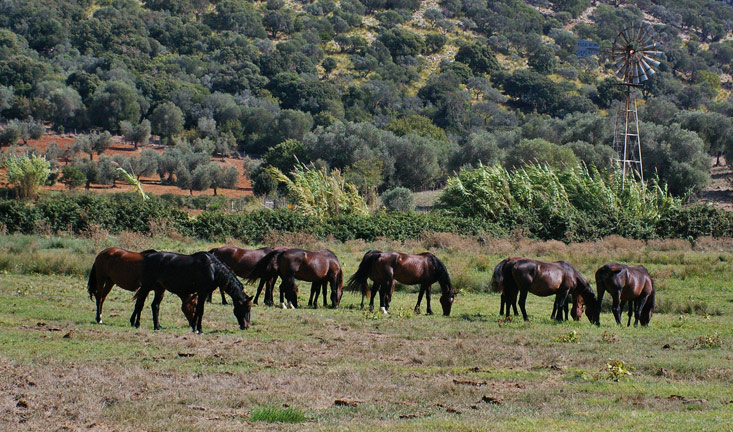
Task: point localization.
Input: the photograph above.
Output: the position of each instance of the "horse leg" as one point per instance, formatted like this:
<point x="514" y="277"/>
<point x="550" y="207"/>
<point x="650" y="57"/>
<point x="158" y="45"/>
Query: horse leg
<point x="631" y="311"/>
<point x="419" y="299"/>
<point x="388" y="294"/>
<point x="561" y="299"/>
<point x="554" y="309"/>
<point x="616" y="309"/>
<point x="427" y="298"/>
<point x="314" y="293"/>
<point x="282" y="295"/>
<point x="600" y="291"/>
<point x="501" y="307"/>
<point x="522" y="301"/>
<point x="197" y="317"/>
<point x="567" y="305"/>
<point x="270" y="291"/>
<point x="324" y="288"/>
<point x="155" y="306"/>
<point x="259" y="291"/>
<point x="641" y="301"/>
<point x="375" y="289"/>
<point x="223" y="299"/>
<point x="139" y="303"/>
<point x="100" y="296"/>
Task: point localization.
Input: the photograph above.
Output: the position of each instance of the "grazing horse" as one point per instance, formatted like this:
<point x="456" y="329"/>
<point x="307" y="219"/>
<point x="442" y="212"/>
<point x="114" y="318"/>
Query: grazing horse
<point x="115" y="266"/>
<point x="186" y="276"/>
<point x="627" y="284"/>
<point x="241" y="262"/>
<point x="318" y="267"/>
<point x="497" y="285"/>
<point x="544" y="279"/>
<point x="384" y="268"/>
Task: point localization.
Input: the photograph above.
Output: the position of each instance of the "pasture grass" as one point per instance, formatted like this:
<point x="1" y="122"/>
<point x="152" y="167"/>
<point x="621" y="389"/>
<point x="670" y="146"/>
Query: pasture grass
<point x="276" y="414"/>
<point x="402" y="371"/>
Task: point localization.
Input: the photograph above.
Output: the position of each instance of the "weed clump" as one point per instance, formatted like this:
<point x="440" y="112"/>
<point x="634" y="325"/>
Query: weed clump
<point x="617" y="370"/>
<point x="571" y="337"/>
<point x="276" y="414"/>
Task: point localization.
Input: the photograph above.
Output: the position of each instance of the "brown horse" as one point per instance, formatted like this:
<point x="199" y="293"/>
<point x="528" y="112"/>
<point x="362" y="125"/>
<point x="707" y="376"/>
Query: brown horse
<point x="115" y="266"/>
<point x="386" y="268"/>
<point x="525" y="275"/>
<point x="497" y="285"/>
<point x="241" y="262"/>
<point x="627" y="284"/>
<point x="318" y="267"/>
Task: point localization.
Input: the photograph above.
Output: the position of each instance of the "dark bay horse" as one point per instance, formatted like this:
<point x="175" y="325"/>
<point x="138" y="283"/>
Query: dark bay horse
<point x="318" y="267"/>
<point x="386" y="268"/>
<point x="186" y="276"/>
<point x="115" y="266"/>
<point x="241" y="262"/>
<point x="559" y="278"/>
<point x="497" y="285"/>
<point x="627" y="284"/>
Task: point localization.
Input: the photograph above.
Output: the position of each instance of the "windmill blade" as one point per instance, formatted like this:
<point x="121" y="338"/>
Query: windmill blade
<point x="648" y="61"/>
<point x="642" y="72"/>
<point x="648" y="69"/>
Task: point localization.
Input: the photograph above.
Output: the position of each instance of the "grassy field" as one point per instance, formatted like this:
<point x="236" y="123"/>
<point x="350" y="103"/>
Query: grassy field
<point x="470" y="371"/>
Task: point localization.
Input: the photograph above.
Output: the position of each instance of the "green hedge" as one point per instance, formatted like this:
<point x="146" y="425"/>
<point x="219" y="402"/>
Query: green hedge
<point x="126" y="212"/>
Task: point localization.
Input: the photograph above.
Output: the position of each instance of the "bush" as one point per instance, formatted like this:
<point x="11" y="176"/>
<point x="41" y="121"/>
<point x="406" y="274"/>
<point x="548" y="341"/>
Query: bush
<point x="27" y="173"/>
<point x="397" y="199"/>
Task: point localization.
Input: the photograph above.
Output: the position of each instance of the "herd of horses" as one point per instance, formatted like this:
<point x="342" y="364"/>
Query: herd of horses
<point x="194" y="278"/>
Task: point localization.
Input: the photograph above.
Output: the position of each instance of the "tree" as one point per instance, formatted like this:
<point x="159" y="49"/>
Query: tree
<point x="167" y="120"/>
<point x="543" y="60"/>
<point x="434" y="43"/>
<point x="398" y="199"/>
<point x="137" y="134"/>
<point x="540" y="151"/>
<point x="73" y="177"/>
<point x="10" y="135"/>
<point x="223" y="177"/>
<point x="65" y="104"/>
<point x="478" y="57"/>
<point x="402" y="42"/>
<point x="479" y="148"/>
<point x="27" y="173"/>
<point x="112" y="103"/>
<point x="329" y="64"/>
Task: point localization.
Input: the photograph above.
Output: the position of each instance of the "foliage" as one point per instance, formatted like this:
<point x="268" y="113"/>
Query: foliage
<point x="570" y="203"/>
<point x="616" y="370"/>
<point x="73" y="177"/>
<point x="398" y="199"/>
<point x="316" y="192"/>
<point x="27" y="173"/>
<point x="275" y="414"/>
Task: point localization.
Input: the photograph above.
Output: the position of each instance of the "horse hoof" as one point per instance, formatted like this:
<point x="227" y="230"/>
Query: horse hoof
<point x="283" y="305"/>
<point x="417" y="311"/>
<point x="383" y="310"/>
<point x="99" y="322"/>
<point x="292" y="306"/>
<point x="430" y="312"/>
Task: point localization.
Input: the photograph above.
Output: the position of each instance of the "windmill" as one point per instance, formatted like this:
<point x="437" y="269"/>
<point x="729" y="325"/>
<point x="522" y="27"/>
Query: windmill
<point x="632" y="54"/>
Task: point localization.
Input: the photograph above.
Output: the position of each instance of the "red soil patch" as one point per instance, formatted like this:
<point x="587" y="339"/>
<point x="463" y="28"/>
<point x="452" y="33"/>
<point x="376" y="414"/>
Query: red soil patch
<point x="151" y="184"/>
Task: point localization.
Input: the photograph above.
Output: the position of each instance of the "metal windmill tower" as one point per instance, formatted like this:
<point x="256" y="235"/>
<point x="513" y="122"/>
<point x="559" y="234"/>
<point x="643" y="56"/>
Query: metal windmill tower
<point x="632" y="54"/>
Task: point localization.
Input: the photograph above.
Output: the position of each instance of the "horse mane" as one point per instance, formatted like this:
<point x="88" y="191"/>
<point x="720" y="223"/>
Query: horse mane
<point x="222" y="271"/>
<point x="148" y="251"/>
<point x="260" y="269"/>
<point x="443" y="276"/>
<point x="358" y="279"/>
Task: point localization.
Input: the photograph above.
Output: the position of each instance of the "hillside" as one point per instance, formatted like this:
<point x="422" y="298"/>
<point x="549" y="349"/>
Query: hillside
<point x="391" y="92"/>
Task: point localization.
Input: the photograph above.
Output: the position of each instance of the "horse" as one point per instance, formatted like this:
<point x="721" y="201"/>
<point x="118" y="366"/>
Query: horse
<point x="116" y="266"/>
<point x="241" y="262"/>
<point x="497" y="285"/>
<point x="384" y="268"/>
<point x="627" y="284"/>
<point x="544" y="279"/>
<point x="187" y="276"/>
<point x="318" y="267"/>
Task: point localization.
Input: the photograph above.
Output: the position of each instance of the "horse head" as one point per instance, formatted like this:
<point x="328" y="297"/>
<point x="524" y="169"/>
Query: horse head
<point x="242" y="309"/>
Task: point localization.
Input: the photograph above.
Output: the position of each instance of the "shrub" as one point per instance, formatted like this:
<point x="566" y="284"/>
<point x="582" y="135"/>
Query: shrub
<point x="397" y="199"/>
<point x="27" y="173"/>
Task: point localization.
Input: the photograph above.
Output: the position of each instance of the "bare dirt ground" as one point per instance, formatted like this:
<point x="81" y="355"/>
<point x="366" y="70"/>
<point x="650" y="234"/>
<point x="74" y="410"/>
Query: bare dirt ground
<point x="720" y="190"/>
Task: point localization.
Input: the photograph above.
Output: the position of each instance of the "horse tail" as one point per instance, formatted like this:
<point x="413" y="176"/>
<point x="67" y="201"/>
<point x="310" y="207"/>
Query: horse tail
<point x="260" y="269"/>
<point x="358" y="280"/>
<point x="646" y="313"/>
<point x="92" y="284"/>
<point x="498" y="276"/>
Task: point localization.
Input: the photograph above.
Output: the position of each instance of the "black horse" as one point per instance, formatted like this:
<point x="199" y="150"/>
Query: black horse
<point x="187" y="276"/>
